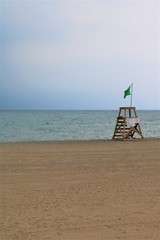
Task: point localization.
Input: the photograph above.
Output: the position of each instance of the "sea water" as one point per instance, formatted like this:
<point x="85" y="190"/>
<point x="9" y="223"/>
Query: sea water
<point x="69" y="125"/>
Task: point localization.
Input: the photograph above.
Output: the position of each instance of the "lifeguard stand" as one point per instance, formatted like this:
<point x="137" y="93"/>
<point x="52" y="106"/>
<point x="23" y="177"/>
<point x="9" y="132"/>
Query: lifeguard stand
<point x="127" y="125"/>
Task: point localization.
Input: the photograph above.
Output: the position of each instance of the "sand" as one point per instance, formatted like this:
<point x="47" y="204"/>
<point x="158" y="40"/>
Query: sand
<point x="80" y="190"/>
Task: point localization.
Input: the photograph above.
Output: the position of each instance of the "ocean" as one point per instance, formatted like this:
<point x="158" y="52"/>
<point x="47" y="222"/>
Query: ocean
<point x="37" y="125"/>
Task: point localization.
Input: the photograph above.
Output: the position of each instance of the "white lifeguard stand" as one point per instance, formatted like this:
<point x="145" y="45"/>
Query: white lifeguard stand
<point x="127" y="125"/>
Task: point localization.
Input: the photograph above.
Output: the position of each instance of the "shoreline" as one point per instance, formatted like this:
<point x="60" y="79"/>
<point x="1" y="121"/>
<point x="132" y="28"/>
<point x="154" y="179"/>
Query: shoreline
<point x="83" y="140"/>
<point x="80" y="189"/>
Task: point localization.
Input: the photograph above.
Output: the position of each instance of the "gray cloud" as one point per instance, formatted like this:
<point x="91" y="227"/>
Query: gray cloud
<point x="81" y="47"/>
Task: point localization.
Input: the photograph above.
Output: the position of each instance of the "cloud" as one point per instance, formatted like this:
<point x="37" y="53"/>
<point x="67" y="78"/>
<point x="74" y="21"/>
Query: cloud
<point x="80" y="47"/>
<point x="78" y="32"/>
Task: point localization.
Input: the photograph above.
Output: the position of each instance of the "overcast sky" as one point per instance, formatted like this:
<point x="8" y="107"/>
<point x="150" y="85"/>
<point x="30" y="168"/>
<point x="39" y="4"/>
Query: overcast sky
<point x="79" y="54"/>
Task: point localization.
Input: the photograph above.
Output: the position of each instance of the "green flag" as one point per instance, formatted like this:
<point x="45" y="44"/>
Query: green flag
<point x="127" y="92"/>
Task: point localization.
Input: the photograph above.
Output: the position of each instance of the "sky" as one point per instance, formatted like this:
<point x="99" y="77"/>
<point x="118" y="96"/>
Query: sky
<point x="79" y="54"/>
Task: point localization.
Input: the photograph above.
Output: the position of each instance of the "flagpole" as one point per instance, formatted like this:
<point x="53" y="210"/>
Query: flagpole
<point x="131" y="94"/>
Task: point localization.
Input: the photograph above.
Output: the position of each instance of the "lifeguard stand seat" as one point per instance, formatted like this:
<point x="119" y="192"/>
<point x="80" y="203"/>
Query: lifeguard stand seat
<point x="127" y="125"/>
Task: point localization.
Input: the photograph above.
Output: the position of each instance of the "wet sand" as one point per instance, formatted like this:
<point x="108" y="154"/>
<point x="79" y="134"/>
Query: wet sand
<point x="80" y="190"/>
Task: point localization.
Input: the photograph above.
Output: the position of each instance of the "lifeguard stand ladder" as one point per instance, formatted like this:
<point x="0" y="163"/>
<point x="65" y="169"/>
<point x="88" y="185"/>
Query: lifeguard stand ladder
<point x="127" y="125"/>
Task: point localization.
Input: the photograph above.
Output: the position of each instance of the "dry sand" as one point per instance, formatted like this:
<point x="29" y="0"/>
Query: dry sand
<point x="80" y="190"/>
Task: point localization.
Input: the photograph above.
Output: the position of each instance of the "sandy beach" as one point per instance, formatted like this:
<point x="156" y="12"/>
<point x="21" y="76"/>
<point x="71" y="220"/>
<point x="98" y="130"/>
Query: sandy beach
<point x="80" y="190"/>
